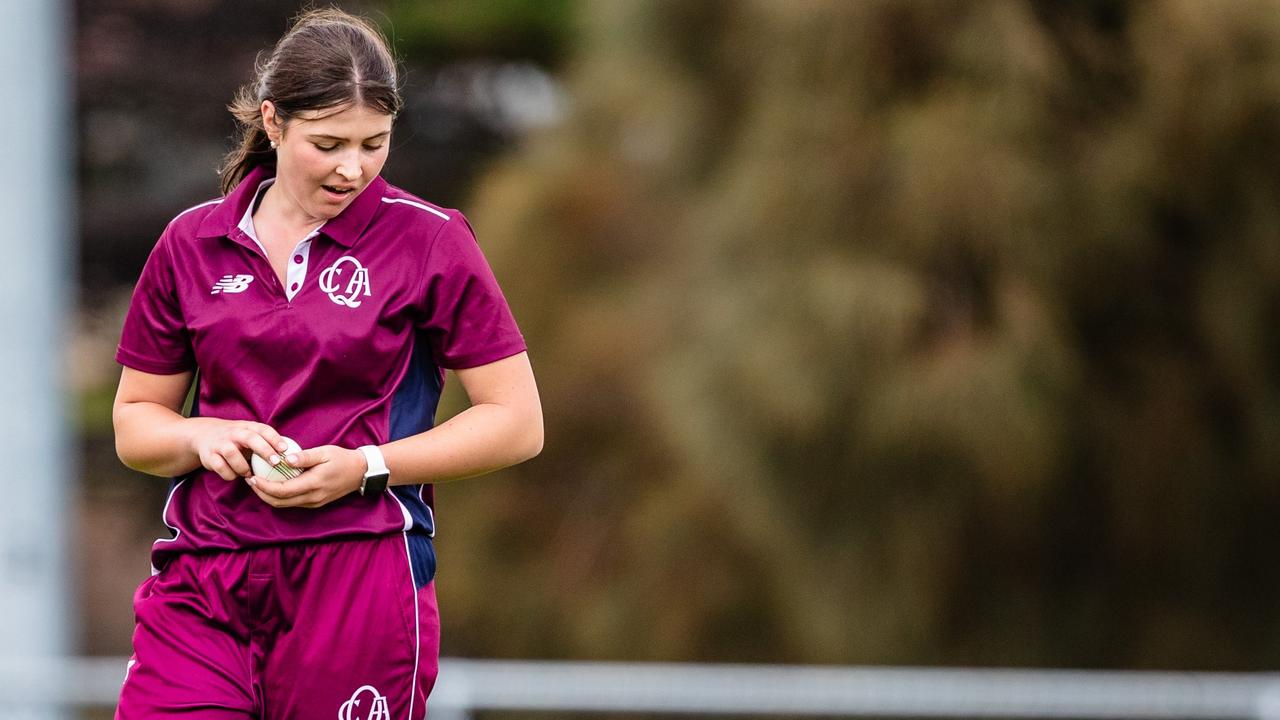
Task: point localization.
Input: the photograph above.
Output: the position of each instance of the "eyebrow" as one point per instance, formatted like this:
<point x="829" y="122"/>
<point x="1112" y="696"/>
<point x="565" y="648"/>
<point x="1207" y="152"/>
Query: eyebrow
<point x="321" y="136"/>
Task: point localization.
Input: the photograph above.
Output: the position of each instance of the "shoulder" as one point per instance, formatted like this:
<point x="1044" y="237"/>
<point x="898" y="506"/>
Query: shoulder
<point x="408" y="210"/>
<point x="439" y="233"/>
<point x="186" y="224"/>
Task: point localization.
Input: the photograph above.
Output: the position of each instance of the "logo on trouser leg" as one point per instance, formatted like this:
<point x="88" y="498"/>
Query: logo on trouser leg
<point x="366" y="703"/>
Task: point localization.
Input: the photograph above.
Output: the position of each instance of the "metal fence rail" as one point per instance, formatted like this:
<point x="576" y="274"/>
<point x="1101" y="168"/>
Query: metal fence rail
<point x="469" y="685"/>
<point x="858" y="691"/>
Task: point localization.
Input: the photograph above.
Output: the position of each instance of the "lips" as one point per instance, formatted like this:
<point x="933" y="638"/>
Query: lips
<point x="337" y="193"/>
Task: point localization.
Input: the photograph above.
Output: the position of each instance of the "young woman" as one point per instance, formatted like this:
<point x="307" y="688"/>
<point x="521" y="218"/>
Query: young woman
<point x="321" y="304"/>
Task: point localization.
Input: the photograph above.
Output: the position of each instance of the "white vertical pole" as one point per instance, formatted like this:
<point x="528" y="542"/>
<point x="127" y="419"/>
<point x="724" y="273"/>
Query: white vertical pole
<point x="36" y="273"/>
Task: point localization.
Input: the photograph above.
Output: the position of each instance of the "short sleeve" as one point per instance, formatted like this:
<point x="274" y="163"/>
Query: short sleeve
<point x="155" y="338"/>
<point x="465" y="316"/>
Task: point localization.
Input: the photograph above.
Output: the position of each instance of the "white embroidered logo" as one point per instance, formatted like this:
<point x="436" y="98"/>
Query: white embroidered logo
<point x="232" y="284"/>
<point x="357" y="283"/>
<point x="356" y="709"/>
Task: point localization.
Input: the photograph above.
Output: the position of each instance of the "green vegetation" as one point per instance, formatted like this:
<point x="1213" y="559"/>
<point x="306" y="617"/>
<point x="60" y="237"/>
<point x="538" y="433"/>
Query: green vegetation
<point x="536" y="30"/>
<point x="868" y="330"/>
<point x="890" y="331"/>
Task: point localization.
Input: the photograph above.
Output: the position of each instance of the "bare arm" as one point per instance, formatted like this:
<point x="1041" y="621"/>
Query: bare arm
<point x="153" y="437"/>
<point x="502" y="427"/>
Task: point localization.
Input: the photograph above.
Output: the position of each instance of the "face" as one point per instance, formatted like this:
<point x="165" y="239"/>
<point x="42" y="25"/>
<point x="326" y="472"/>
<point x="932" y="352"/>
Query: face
<point x="325" y="158"/>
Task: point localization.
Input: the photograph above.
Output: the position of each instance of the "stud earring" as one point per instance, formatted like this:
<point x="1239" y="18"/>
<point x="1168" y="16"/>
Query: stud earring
<point x="273" y="144"/>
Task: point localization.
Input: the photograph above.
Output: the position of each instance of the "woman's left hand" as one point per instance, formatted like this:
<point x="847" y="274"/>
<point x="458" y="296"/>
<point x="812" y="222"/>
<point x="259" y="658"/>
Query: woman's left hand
<point x="330" y="472"/>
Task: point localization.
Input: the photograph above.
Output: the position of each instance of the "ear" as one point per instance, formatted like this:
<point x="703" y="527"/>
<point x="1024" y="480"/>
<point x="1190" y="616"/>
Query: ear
<point x="271" y="121"/>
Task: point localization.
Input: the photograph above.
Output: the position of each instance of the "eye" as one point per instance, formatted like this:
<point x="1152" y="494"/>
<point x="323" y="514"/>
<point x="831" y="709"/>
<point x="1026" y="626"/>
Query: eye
<point x="373" y="148"/>
<point x="325" y="148"/>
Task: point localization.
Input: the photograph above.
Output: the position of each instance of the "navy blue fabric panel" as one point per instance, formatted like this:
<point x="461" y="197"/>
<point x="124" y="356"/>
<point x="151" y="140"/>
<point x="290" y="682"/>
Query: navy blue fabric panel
<point x="423" y="519"/>
<point x="195" y="395"/>
<point x="413" y="410"/>
<point x="422" y="559"/>
<point x="173" y="483"/>
<point x="413" y="407"/>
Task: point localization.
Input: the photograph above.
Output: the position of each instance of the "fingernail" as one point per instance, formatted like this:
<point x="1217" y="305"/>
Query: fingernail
<point x="291" y="459"/>
<point x="253" y="482"/>
<point x="283" y="446"/>
<point x="274" y="460"/>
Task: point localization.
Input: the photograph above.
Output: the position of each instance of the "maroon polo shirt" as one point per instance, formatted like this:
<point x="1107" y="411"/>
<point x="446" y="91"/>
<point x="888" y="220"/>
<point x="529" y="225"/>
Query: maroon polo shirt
<point x="351" y="351"/>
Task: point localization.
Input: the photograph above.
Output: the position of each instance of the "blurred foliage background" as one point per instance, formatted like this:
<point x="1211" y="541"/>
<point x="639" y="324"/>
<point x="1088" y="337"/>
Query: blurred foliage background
<point x="869" y="331"/>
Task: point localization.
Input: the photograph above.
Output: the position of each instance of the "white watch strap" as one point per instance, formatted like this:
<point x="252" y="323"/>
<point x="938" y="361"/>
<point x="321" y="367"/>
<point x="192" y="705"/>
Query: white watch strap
<point x="373" y="458"/>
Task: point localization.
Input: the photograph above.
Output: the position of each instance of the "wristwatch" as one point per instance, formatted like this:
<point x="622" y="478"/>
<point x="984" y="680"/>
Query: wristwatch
<point x="377" y="474"/>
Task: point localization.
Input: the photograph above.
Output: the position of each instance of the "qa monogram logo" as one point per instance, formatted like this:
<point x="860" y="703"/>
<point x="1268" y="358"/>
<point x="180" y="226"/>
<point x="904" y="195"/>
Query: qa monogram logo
<point x="357" y="283"/>
<point x="357" y="709"/>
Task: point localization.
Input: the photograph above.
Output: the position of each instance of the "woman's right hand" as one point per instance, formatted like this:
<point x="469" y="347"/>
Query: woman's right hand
<point x="153" y="437"/>
<point x="224" y="446"/>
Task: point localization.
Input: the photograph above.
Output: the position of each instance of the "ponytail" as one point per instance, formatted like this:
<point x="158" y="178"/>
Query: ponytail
<point x="253" y="149"/>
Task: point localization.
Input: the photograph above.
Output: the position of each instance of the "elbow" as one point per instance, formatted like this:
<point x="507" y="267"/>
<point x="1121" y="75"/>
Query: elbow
<point x="137" y="459"/>
<point x="120" y="451"/>
<point x="127" y="458"/>
<point x="126" y="454"/>
<point x="130" y="449"/>
<point x="122" y="446"/>
<point x="534" y="447"/>
<point x="533" y="440"/>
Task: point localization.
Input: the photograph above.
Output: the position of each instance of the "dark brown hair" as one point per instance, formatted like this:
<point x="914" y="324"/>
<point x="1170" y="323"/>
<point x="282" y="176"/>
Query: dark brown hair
<point x="328" y="59"/>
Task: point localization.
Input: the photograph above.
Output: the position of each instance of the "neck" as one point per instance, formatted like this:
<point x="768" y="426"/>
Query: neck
<point x="279" y="209"/>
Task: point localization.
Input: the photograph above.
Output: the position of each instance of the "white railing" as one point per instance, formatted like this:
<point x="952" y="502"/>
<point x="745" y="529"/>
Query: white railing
<point x="466" y="686"/>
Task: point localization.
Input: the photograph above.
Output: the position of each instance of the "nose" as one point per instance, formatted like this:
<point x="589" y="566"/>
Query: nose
<point x="349" y="167"/>
<point x="350" y="171"/>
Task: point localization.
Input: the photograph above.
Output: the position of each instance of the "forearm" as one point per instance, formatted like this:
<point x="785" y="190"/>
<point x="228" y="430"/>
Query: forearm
<point x="503" y="426"/>
<point x="155" y="440"/>
<point x="483" y="438"/>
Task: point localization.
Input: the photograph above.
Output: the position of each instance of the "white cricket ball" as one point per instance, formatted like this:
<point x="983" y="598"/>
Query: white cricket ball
<point x="281" y="471"/>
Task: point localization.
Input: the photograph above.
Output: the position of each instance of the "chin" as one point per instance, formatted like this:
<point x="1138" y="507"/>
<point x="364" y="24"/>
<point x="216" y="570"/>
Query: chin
<point x="328" y="208"/>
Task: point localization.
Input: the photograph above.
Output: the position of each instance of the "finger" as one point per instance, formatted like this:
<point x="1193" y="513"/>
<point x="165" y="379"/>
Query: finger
<point x="215" y="462"/>
<point x="273" y="438"/>
<point x="308" y="458"/>
<point x="256" y="442"/>
<point x="257" y="484"/>
<point x="265" y="490"/>
<point x="312" y="499"/>
<point x="234" y="457"/>
<point x="286" y="489"/>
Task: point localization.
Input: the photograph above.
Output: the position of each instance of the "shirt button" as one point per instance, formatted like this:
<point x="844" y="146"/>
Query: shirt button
<point x="297" y="259"/>
<point x="294" y="287"/>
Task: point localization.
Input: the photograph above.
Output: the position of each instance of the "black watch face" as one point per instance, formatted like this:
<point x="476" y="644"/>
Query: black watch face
<point x="380" y="477"/>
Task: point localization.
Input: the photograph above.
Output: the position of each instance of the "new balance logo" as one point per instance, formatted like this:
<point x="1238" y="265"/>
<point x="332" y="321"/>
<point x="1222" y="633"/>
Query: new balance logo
<point x="232" y="284"/>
